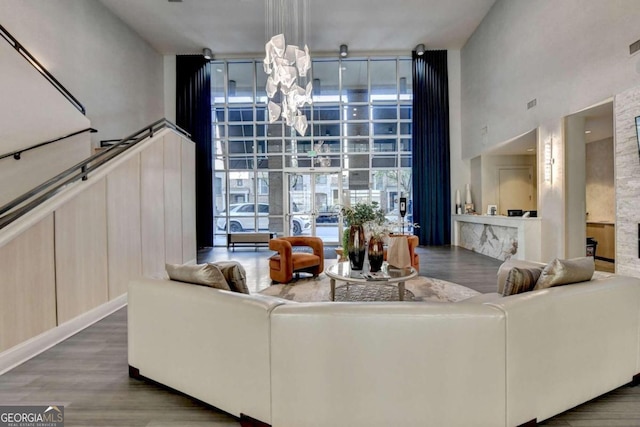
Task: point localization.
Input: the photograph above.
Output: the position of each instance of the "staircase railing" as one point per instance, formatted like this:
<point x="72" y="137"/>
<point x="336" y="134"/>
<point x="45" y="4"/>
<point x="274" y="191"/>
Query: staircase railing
<point x="40" y="68"/>
<point x="34" y="197"/>
<point x="17" y="154"/>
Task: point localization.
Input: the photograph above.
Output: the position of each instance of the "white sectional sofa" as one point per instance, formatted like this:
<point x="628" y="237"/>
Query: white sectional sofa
<point x="487" y="361"/>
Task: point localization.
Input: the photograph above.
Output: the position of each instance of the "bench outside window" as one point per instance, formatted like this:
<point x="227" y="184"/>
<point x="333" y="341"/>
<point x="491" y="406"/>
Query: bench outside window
<point x="249" y="239"/>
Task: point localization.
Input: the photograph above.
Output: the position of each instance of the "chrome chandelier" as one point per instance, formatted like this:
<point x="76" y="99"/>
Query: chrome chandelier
<point x="288" y="66"/>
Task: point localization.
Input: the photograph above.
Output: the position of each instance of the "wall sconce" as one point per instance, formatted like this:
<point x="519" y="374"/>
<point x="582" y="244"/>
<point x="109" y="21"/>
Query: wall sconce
<point x="420" y="49"/>
<point x="548" y="160"/>
<point x="344" y="50"/>
<point x="206" y="52"/>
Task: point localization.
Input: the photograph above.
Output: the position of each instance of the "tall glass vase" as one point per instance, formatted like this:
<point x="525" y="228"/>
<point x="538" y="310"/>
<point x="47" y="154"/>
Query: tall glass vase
<point x="356" y="247"/>
<point x="376" y="253"/>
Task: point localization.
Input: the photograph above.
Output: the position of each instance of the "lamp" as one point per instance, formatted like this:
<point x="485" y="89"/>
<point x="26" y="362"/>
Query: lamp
<point x="420" y="49"/>
<point x="344" y="50"/>
<point x="287" y="65"/>
<point x="206" y="52"/>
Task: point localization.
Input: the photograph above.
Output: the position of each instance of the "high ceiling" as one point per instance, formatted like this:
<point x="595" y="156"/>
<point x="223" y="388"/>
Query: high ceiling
<point x="237" y="27"/>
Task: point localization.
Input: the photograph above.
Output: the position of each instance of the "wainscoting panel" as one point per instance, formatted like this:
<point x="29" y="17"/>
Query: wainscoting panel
<point x="27" y="285"/>
<point x="152" y="210"/>
<point x="123" y="216"/>
<point x="173" y="198"/>
<point x="81" y="252"/>
<point x="189" y="245"/>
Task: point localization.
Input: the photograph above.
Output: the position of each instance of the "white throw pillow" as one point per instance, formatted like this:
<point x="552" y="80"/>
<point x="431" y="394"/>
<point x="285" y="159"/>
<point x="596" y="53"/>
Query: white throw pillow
<point x="199" y="274"/>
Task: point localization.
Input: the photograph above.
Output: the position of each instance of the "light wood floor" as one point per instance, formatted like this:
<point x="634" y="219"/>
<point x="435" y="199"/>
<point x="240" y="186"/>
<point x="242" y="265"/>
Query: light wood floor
<point x="88" y="372"/>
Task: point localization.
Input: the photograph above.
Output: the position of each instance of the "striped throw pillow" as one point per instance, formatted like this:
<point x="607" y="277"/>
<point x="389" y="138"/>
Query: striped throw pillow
<point x="521" y="280"/>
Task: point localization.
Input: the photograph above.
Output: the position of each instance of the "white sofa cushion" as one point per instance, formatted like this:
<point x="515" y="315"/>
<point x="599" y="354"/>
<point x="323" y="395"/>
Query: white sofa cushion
<point x="388" y="364"/>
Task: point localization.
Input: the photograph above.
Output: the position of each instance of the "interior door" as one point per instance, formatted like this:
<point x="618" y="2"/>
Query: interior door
<point x="515" y="189"/>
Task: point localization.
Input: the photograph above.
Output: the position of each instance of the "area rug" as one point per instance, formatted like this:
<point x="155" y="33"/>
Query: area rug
<point x="417" y="289"/>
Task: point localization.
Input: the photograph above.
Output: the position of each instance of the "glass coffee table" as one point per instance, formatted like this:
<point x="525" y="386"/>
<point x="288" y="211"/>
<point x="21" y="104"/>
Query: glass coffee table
<point x="342" y="272"/>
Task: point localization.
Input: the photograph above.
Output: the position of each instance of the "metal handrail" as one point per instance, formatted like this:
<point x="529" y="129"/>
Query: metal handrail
<point x="40" y="68"/>
<point x="17" y="154"/>
<point x="34" y="197"/>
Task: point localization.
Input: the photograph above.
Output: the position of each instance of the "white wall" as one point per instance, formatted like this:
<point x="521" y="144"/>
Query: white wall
<point x="32" y="110"/>
<point x="38" y="165"/>
<point x="103" y="63"/>
<point x="490" y="182"/>
<point x="575" y="186"/>
<point x="568" y="55"/>
<point x="460" y="169"/>
<point x="170" y="87"/>
<point x="600" y="183"/>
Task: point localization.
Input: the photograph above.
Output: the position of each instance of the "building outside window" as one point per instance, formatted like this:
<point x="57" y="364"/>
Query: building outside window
<point x="357" y="146"/>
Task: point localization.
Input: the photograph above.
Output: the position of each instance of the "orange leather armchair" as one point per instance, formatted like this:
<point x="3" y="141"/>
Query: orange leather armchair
<point x="286" y="262"/>
<point x="413" y="244"/>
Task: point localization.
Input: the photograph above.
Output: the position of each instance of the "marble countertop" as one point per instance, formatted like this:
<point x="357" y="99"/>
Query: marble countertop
<point x="495" y="217"/>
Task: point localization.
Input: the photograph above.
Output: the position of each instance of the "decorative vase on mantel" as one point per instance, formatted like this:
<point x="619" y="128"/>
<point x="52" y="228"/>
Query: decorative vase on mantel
<point x="376" y="253"/>
<point x="356" y="247"/>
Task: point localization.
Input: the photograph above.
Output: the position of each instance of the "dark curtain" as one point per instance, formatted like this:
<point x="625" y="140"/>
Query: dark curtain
<point x="193" y="114"/>
<point x="431" y="169"/>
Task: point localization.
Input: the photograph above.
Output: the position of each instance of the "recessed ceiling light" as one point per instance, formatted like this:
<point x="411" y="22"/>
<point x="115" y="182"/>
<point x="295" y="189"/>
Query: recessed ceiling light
<point x="587" y="131"/>
<point x="531" y="149"/>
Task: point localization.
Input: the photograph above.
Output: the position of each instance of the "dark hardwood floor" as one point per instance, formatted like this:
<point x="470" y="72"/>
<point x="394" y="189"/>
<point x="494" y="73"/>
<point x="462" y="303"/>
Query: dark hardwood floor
<point x="88" y="373"/>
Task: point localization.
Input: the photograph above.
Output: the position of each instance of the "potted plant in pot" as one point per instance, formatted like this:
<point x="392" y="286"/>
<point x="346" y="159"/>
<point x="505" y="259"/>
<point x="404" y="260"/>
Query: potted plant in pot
<point x="378" y="230"/>
<point x="356" y="217"/>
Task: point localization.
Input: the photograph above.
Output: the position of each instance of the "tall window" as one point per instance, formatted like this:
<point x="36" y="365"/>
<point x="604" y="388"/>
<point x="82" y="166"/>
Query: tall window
<point x="360" y="127"/>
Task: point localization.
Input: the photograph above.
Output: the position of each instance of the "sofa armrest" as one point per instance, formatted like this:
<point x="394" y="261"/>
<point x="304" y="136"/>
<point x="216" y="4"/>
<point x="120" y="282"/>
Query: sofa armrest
<point x="210" y="344"/>
<point x="569" y="344"/>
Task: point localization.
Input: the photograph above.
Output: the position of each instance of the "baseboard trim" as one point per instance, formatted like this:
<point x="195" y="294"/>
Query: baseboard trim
<point x="26" y="350"/>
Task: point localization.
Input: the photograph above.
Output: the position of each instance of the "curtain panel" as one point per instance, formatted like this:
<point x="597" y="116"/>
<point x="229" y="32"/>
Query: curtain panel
<point x="430" y="162"/>
<point x="193" y="114"/>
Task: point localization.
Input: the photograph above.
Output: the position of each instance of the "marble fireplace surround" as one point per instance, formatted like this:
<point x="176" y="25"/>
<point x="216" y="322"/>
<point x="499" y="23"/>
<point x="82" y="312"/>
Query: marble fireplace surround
<point x="499" y="237"/>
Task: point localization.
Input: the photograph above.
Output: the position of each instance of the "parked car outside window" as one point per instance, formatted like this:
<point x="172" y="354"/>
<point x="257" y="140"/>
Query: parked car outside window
<point x="242" y="217"/>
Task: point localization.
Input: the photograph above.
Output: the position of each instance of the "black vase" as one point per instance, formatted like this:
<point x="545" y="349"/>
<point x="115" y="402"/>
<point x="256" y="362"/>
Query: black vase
<point x="356" y="247"/>
<point x="376" y="254"/>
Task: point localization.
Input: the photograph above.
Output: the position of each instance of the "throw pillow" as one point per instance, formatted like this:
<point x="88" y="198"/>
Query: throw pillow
<point x="521" y="280"/>
<point x="506" y="266"/>
<point x="565" y="271"/>
<point x="235" y="275"/>
<point x="200" y="274"/>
